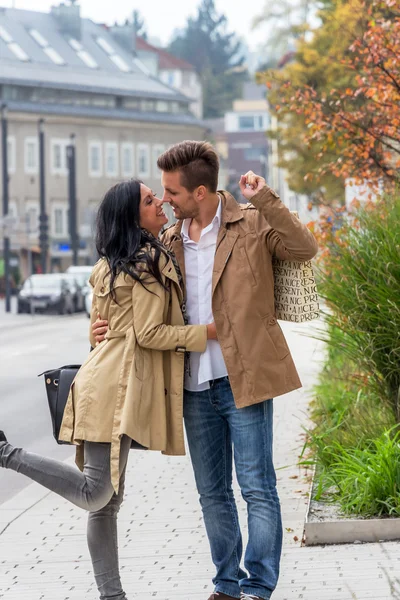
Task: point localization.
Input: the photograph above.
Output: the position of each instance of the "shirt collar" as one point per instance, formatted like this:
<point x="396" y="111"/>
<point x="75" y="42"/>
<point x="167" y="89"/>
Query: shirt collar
<point x="216" y="220"/>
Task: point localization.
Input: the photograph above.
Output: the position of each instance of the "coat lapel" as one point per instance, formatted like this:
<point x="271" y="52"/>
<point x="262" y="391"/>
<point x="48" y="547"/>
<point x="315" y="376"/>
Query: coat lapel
<point x="225" y="243"/>
<point x="170" y="272"/>
<point x="231" y="213"/>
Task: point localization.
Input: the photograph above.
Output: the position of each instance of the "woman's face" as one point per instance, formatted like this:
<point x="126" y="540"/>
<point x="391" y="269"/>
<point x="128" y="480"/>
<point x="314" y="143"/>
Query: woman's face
<point x="152" y="216"/>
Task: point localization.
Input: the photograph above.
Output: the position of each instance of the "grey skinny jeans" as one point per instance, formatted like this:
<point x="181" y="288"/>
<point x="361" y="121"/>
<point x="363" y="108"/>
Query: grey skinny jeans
<point x="91" y="490"/>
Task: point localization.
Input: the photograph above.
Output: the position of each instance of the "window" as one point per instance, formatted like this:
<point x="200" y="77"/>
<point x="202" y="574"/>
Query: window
<point x="54" y="56"/>
<point x="59" y="222"/>
<point x="87" y="59"/>
<point x="131" y="104"/>
<point x="95" y="159"/>
<point x="58" y="152"/>
<point x="13" y="46"/>
<point x="12" y="154"/>
<point x="112" y="159"/>
<point x="147" y="105"/>
<point x="175" y="107"/>
<point x="162" y="106"/>
<point x="112" y="54"/>
<point x="47" y="49"/>
<point x="32" y="217"/>
<point x="120" y="63"/>
<point x="31" y="155"/>
<point x="83" y="54"/>
<point x="143" y="160"/>
<point x="246" y="122"/>
<point x="5" y="36"/>
<point x="252" y="122"/>
<point x="39" y="38"/>
<point x="108" y="49"/>
<point x="127" y="160"/>
<point x="253" y="153"/>
<point x="157" y="150"/>
<point x="13" y="209"/>
<point x="17" y="50"/>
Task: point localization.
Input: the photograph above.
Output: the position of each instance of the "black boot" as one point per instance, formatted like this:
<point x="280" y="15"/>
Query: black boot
<point x="2" y="437"/>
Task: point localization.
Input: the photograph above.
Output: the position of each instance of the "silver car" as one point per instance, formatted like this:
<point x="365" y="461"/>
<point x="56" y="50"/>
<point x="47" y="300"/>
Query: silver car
<point x="45" y="293"/>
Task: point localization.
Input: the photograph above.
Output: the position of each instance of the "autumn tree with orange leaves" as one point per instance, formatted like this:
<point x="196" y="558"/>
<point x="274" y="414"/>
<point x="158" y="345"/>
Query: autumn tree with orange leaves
<point x="341" y="119"/>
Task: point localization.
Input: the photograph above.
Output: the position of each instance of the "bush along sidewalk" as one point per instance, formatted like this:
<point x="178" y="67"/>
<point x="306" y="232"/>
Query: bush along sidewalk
<point x="356" y="406"/>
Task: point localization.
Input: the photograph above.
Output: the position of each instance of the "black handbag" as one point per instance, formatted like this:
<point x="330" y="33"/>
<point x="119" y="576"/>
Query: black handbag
<point x="58" y="383"/>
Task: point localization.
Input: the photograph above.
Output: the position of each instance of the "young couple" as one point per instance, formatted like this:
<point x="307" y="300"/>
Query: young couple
<point x="190" y="331"/>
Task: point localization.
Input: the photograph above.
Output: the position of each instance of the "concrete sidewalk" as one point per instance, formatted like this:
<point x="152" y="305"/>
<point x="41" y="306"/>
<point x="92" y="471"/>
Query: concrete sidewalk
<point x="163" y="548"/>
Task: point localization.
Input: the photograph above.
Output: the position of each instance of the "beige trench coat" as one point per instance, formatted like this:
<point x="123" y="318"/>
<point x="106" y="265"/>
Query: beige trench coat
<point x="132" y="383"/>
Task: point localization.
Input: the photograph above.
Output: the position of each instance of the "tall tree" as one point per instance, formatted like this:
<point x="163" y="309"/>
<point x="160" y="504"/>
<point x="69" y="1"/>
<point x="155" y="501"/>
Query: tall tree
<point x="338" y="102"/>
<point x="214" y="52"/>
<point x="139" y="24"/>
<point x="284" y="23"/>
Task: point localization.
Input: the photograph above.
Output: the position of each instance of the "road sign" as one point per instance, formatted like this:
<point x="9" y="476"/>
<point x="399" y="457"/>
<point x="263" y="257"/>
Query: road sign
<point x="9" y="224"/>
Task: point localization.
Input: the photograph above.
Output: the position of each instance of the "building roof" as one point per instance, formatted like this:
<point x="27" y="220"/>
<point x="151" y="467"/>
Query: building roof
<point x="166" y="60"/>
<point x="119" y="114"/>
<point x="48" y="58"/>
<point x="253" y="91"/>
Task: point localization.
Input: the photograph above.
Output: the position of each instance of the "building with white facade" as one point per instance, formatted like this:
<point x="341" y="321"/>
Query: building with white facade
<point x="173" y="71"/>
<point x="82" y="79"/>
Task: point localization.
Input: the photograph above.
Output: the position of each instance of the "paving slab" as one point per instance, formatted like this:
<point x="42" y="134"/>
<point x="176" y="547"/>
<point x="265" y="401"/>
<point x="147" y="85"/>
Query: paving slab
<point x="164" y="551"/>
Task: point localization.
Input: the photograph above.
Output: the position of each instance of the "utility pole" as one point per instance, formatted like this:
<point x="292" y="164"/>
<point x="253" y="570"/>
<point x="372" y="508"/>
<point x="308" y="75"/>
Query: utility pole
<point x="43" y="217"/>
<point x="6" y="246"/>
<point x="71" y="160"/>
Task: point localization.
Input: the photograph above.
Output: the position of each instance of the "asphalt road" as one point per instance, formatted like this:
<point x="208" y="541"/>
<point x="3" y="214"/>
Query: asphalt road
<point x="29" y="346"/>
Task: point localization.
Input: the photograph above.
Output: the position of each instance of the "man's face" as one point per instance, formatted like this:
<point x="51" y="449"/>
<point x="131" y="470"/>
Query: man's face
<point x="182" y="201"/>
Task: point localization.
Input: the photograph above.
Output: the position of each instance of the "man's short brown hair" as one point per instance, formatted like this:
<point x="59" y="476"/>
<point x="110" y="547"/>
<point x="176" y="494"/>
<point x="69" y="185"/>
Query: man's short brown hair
<point x="197" y="162"/>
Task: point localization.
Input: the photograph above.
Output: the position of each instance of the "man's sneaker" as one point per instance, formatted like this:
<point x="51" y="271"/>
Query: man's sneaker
<point x="221" y="596"/>
<point x="244" y="596"/>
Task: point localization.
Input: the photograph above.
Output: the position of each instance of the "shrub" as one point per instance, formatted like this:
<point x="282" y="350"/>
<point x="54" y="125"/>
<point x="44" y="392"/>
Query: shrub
<point x="361" y="283"/>
<point x="356" y="406"/>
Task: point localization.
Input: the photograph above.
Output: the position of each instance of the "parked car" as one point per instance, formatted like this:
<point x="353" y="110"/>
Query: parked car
<point x="77" y="290"/>
<point x="88" y="301"/>
<point x="45" y="293"/>
<point x="83" y="273"/>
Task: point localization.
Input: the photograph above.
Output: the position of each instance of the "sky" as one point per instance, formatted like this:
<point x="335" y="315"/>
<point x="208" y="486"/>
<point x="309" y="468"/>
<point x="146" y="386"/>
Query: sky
<point x="162" y="16"/>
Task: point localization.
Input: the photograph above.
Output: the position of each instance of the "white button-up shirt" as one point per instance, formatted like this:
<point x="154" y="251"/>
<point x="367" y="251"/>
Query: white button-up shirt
<point x="199" y="264"/>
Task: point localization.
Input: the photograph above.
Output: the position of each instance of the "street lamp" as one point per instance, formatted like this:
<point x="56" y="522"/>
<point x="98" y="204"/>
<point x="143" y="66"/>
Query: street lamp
<point x="43" y="218"/>
<point x="71" y="161"/>
<point x="6" y="246"/>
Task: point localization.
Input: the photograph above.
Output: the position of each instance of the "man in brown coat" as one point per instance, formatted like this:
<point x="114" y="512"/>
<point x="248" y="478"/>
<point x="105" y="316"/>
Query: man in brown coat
<point x="225" y="252"/>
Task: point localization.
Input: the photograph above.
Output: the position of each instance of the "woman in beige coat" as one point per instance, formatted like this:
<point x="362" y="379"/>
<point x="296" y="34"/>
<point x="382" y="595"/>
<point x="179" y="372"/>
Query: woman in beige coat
<point x="129" y="391"/>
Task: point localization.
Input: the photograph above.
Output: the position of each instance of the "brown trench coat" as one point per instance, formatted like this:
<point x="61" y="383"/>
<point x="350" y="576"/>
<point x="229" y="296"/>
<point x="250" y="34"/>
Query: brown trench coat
<point x="132" y="383"/>
<point x="255" y="351"/>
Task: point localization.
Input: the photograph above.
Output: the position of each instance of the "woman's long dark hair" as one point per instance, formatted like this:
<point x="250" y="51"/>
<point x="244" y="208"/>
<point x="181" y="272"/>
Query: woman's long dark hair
<point x="120" y="239"/>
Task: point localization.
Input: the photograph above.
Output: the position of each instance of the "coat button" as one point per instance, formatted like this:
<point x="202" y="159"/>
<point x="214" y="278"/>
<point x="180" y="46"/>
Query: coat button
<point x="272" y="321"/>
<point x="165" y="391"/>
<point x="102" y="290"/>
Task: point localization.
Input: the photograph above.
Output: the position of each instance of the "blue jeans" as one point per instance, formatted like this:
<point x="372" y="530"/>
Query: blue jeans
<point x="213" y="426"/>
